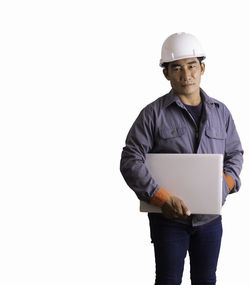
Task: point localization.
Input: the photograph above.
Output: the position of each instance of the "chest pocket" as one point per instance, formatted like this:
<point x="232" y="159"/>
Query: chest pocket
<point x="170" y="133"/>
<point x="216" y="134"/>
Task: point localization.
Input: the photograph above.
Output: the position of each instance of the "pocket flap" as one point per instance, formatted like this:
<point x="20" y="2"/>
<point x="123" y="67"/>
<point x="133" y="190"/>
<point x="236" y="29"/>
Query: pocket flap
<point x="216" y="134"/>
<point x="167" y="133"/>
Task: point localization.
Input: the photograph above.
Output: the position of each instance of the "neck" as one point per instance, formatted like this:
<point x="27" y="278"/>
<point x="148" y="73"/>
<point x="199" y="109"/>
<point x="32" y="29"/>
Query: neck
<point x="192" y="99"/>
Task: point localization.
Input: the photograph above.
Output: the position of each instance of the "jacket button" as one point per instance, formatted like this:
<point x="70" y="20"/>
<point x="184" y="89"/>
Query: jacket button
<point x="173" y="132"/>
<point x="217" y="134"/>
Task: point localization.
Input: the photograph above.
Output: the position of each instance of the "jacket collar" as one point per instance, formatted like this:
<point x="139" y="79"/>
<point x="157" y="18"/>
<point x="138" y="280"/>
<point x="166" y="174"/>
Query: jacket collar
<point x="171" y="98"/>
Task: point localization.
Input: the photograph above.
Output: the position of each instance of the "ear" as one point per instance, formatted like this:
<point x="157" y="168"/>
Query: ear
<point x="165" y="72"/>
<point x="202" y="68"/>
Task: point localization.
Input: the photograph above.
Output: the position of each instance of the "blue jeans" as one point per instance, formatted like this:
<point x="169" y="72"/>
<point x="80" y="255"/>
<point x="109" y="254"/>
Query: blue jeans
<point x="172" y="241"/>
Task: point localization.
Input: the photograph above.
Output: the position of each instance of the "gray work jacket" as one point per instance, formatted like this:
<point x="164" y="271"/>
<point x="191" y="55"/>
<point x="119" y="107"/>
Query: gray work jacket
<point x="165" y="126"/>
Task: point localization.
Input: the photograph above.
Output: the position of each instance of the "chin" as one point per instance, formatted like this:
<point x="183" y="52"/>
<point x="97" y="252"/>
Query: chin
<point x="189" y="90"/>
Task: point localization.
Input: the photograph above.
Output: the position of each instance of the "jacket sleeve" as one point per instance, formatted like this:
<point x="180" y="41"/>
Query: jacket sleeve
<point x="233" y="157"/>
<point x="140" y="141"/>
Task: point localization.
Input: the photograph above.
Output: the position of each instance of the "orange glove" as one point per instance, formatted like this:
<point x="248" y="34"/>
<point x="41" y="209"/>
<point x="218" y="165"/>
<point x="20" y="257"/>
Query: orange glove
<point x="171" y="206"/>
<point x="230" y="181"/>
<point x="175" y="208"/>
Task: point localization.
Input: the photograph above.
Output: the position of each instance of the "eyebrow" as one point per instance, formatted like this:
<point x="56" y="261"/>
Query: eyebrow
<point x="192" y="62"/>
<point x="176" y="64"/>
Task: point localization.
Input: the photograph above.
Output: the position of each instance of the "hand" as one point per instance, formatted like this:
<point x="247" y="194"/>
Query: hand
<point x="175" y="208"/>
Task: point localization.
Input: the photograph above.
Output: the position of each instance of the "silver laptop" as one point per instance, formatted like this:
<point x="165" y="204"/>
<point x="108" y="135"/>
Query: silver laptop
<point x="194" y="178"/>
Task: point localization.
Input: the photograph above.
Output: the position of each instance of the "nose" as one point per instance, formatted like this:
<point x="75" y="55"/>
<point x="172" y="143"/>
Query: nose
<point x="186" y="74"/>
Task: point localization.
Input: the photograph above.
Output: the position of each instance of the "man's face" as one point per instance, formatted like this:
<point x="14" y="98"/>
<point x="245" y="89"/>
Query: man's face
<point x="185" y="76"/>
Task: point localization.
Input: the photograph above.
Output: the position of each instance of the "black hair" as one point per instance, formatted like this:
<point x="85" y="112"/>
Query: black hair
<point x="165" y="64"/>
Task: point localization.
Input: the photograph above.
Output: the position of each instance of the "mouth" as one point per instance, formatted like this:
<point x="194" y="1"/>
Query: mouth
<point x="187" y="84"/>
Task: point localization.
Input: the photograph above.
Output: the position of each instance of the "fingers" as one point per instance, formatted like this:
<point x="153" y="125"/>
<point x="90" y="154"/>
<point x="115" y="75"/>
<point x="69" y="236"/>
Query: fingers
<point x="179" y="207"/>
<point x="168" y="210"/>
<point x="175" y="208"/>
<point x="170" y="215"/>
<point x="185" y="210"/>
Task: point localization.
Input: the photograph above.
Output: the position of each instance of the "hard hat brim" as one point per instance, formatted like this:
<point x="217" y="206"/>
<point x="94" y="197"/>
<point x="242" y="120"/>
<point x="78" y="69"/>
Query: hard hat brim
<point x="182" y="57"/>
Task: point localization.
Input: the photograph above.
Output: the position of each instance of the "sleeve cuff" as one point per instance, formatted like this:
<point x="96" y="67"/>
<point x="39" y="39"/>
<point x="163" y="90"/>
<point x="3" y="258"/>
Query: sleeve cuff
<point x="160" y="197"/>
<point x="230" y="181"/>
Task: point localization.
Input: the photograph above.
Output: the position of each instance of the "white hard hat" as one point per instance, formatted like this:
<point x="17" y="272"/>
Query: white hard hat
<point x="179" y="46"/>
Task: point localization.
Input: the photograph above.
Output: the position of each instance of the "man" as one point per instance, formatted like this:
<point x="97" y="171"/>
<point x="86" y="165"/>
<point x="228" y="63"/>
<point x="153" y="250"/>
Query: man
<point x="186" y="120"/>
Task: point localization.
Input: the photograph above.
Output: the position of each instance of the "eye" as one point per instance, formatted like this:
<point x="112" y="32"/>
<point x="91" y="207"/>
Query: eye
<point x="192" y="66"/>
<point x="176" y="69"/>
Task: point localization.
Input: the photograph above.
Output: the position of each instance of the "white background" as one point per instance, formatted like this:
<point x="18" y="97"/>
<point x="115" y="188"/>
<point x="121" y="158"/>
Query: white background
<point x="73" y="77"/>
